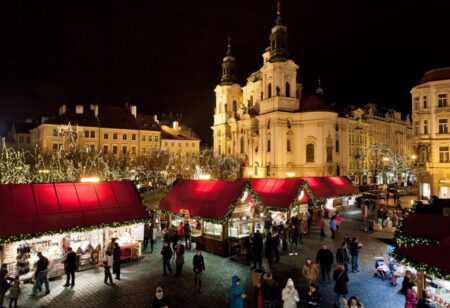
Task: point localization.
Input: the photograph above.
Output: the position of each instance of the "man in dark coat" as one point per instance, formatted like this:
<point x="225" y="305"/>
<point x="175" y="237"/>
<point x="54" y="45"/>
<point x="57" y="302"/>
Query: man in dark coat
<point x="166" y="253"/>
<point x="312" y="296"/>
<point x="325" y="258"/>
<point x="355" y="247"/>
<point x="268" y="251"/>
<point x="342" y="255"/>
<point x="40" y="275"/>
<point x="187" y="234"/>
<point x="198" y="264"/>
<point x="70" y="264"/>
<point x="4" y="284"/>
<point x="257" y="246"/>
<point x="269" y="291"/>
<point x="341" y="278"/>
<point x="116" y="257"/>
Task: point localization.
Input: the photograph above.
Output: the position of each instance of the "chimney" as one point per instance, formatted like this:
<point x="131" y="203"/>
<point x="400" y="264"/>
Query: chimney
<point x="62" y="109"/>
<point x="155" y="118"/>
<point x="175" y="125"/>
<point x="79" y="109"/>
<point x="133" y="110"/>
<point x="94" y="107"/>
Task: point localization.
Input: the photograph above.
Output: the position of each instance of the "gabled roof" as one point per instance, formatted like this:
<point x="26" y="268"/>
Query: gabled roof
<point x="87" y="118"/>
<point x="173" y="134"/>
<point x="278" y="193"/>
<point x="24" y="127"/>
<point x="33" y="209"/>
<point x="314" y="102"/>
<point x="116" y="117"/>
<point x="146" y="122"/>
<point x="436" y="75"/>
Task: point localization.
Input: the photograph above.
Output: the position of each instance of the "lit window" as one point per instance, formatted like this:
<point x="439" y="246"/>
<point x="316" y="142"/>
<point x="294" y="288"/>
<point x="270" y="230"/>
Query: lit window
<point x="425" y="102"/>
<point x="442" y="100"/>
<point x="143" y="137"/>
<point x="444" y="156"/>
<point x="86" y="134"/>
<point x="115" y="136"/>
<point x="310" y="153"/>
<point x="124" y="136"/>
<point x="105" y="136"/>
<point x="133" y="136"/>
<point x="55" y="132"/>
<point x="443" y="126"/>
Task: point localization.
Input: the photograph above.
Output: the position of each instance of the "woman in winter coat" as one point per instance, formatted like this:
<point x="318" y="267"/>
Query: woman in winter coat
<point x="159" y="300"/>
<point x="310" y="271"/>
<point x="340" y="277"/>
<point x="289" y="295"/>
<point x="411" y="298"/>
<point x="236" y="293"/>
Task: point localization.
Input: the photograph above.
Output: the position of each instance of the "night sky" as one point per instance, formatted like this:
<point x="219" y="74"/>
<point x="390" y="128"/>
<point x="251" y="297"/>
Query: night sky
<point x="166" y="55"/>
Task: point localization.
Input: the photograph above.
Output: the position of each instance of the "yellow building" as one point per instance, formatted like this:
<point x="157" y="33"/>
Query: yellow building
<point x="178" y="142"/>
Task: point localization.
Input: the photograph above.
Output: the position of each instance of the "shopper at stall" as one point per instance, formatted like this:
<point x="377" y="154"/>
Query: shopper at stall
<point x="324" y="257"/>
<point x="289" y="295"/>
<point x="14" y="293"/>
<point x="187" y="234"/>
<point x="108" y="261"/>
<point x="407" y="282"/>
<point x="198" y="264"/>
<point x="269" y="291"/>
<point x="236" y="293"/>
<point x="340" y="277"/>
<point x="257" y="247"/>
<point x="70" y="265"/>
<point x="268" y="249"/>
<point x="426" y="301"/>
<point x="180" y="231"/>
<point x="117" y="252"/>
<point x="23" y="263"/>
<point x="166" y="253"/>
<point x="159" y="300"/>
<point x="40" y="274"/>
<point x="179" y="258"/>
<point x="342" y="255"/>
<point x="355" y="247"/>
<point x="411" y="298"/>
<point x="310" y="271"/>
<point x="312" y="297"/>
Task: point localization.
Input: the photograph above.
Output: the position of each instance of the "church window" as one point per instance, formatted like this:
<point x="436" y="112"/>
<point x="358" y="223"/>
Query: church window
<point x="310" y="153"/>
<point x="329" y="153"/>
<point x="337" y="146"/>
<point x="242" y="144"/>
<point x="278" y="91"/>
<point x="251" y="101"/>
<point x="288" y="145"/>
<point x="269" y="90"/>
<point x="268" y="145"/>
<point x="234" y="106"/>
<point x="288" y="89"/>
<point x="226" y="108"/>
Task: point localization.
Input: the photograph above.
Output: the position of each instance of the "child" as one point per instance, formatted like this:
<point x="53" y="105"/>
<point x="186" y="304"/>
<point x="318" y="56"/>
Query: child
<point x="14" y="292"/>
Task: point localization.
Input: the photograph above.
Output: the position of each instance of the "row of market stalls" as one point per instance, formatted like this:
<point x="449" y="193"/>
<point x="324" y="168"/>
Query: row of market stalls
<point x="223" y="214"/>
<point x="49" y="218"/>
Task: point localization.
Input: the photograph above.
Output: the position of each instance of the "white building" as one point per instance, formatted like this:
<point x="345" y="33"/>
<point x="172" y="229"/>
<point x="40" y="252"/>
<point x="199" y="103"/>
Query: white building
<point x="431" y="114"/>
<point x="278" y="133"/>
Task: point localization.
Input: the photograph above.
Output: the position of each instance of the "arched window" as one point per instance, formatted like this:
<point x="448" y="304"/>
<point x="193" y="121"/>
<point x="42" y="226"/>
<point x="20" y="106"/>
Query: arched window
<point x="288" y="145"/>
<point x="242" y="144"/>
<point x="234" y="106"/>
<point x="220" y="149"/>
<point x="226" y="108"/>
<point x="278" y="91"/>
<point x="310" y="153"/>
<point x="269" y="90"/>
<point x="288" y="89"/>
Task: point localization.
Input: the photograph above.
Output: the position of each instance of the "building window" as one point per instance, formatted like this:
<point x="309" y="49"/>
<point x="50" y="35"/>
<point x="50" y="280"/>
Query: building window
<point x="86" y="134"/>
<point x="20" y="139"/>
<point x="115" y="136"/>
<point x="442" y="100"/>
<point x="105" y="149"/>
<point x="269" y="90"/>
<point x="55" y="132"/>
<point x="115" y="149"/>
<point x="337" y="146"/>
<point x="133" y="150"/>
<point x="425" y="127"/>
<point x="55" y="147"/>
<point x="124" y="136"/>
<point x="444" y="156"/>
<point x="443" y="126"/>
<point x="150" y="138"/>
<point x="288" y="89"/>
<point x="416" y="103"/>
<point x="156" y="139"/>
<point x="179" y="144"/>
<point x="416" y="127"/>
<point x="268" y="145"/>
<point x="105" y="136"/>
<point x="91" y="148"/>
<point x="425" y="102"/>
<point x="124" y="149"/>
<point x="288" y="145"/>
<point x="242" y="145"/>
<point x="92" y="133"/>
<point x="172" y="144"/>
<point x="28" y="139"/>
<point x="310" y="153"/>
<point x="234" y="106"/>
<point x="133" y="136"/>
<point x="143" y="138"/>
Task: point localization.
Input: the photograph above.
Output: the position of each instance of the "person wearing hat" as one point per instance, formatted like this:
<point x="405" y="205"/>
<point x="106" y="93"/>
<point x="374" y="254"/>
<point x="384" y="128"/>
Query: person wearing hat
<point x="236" y="293"/>
<point x="289" y="295"/>
<point x="159" y="300"/>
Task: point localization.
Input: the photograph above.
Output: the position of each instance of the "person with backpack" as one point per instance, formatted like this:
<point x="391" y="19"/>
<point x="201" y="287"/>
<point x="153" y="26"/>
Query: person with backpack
<point x="236" y="294"/>
<point x="179" y="261"/>
<point x="198" y="264"/>
<point x="167" y="254"/>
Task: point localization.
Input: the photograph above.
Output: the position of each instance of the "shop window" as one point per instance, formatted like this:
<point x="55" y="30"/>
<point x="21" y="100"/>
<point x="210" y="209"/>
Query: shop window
<point x="444" y="155"/>
<point x="442" y="100"/>
<point x="310" y="153"/>
<point x="211" y="229"/>
<point x="240" y="228"/>
<point x="443" y="126"/>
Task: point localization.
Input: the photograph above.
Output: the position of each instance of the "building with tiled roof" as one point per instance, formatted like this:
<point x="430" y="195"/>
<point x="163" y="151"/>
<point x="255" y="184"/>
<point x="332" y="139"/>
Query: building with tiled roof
<point x="175" y="141"/>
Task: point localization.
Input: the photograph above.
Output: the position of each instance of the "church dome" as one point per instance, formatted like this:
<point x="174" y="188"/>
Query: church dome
<point x="314" y="102"/>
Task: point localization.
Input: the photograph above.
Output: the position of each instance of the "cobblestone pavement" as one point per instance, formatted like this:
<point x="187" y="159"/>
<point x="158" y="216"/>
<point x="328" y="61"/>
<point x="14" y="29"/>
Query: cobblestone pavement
<point x="139" y="279"/>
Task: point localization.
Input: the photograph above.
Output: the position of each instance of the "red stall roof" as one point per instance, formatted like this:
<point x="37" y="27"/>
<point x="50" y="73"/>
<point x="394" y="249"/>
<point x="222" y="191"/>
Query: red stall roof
<point x="436" y="227"/>
<point x="207" y="199"/>
<point x="32" y="209"/>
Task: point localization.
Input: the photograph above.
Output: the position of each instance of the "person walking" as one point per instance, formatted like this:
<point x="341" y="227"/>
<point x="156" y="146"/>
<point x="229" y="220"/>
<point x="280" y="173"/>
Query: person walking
<point x="289" y="295"/>
<point x="179" y="258"/>
<point x="147" y="235"/>
<point x="411" y="298"/>
<point x="187" y="234"/>
<point x="40" y="274"/>
<point x="312" y="297"/>
<point x="333" y="227"/>
<point x="180" y="231"/>
<point x="268" y="250"/>
<point x="4" y="284"/>
<point x="340" y="277"/>
<point x="324" y="257"/>
<point x="70" y="264"/>
<point x="152" y="237"/>
<point x="108" y="262"/>
<point x="198" y="264"/>
<point x="117" y="252"/>
<point x="355" y="247"/>
<point x="295" y="234"/>
<point x="285" y="237"/>
<point x="322" y="226"/>
<point x="257" y="247"/>
<point x="269" y="291"/>
<point x="276" y="246"/>
<point x="236" y="293"/>
<point x="167" y="254"/>
<point x="338" y="221"/>
<point x="159" y="300"/>
<point x="14" y="293"/>
<point x="310" y="271"/>
<point x="342" y="255"/>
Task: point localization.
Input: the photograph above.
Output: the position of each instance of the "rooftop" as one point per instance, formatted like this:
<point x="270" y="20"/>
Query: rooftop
<point x="436" y="75"/>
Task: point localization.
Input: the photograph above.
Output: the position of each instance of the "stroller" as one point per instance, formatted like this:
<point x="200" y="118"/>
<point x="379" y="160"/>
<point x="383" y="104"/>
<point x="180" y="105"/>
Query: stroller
<point x="383" y="270"/>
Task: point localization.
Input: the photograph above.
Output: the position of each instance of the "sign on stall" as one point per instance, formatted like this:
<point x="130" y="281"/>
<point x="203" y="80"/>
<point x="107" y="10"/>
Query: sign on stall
<point x="139" y="232"/>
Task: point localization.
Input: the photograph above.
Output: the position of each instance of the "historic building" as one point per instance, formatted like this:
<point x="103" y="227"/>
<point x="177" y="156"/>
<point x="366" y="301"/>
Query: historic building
<point x="431" y="139"/>
<point x="278" y="133"/>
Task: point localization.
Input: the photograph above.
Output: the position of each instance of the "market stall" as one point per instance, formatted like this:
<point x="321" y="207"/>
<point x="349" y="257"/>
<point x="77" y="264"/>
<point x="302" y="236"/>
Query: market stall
<point x="49" y="218"/>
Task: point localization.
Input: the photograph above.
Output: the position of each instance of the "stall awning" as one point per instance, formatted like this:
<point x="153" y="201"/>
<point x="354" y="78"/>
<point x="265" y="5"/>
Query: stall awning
<point x="436" y="227"/>
<point x="207" y="199"/>
<point x="33" y="209"/>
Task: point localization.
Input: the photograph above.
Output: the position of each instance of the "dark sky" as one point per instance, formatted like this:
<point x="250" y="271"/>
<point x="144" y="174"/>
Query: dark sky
<point x="165" y="55"/>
